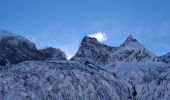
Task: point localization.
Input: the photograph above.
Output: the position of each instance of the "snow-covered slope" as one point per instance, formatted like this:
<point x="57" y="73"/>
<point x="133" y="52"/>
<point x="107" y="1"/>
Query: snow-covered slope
<point x="131" y="55"/>
<point x="153" y="84"/>
<point x="60" y="80"/>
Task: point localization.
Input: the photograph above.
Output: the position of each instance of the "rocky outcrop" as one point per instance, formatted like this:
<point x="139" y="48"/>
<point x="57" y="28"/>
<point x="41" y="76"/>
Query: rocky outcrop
<point x="92" y="52"/>
<point x="165" y="58"/>
<point x="52" y="53"/>
<point x="16" y="49"/>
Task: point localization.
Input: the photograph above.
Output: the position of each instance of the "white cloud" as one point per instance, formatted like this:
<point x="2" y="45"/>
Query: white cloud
<point x="99" y="36"/>
<point x="68" y="56"/>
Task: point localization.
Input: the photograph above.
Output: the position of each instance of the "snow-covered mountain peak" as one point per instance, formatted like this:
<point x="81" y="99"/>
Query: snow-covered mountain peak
<point x="132" y="50"/>
<point x="93" y="52"/>
<point x="131" y="43"/>
<point x="130" y="38"/>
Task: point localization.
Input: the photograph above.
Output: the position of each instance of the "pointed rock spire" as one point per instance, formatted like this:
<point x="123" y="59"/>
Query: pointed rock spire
<point x="93" y="52"/>
<point x="130" y="39"/>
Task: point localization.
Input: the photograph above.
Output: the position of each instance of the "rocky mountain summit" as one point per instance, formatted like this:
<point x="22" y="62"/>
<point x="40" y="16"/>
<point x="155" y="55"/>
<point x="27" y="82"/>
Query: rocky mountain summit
<point x="15" y="49"/>
<point x="96" y="72"/>
<point x="132" y="50"/>
<point x="92" y="52"/>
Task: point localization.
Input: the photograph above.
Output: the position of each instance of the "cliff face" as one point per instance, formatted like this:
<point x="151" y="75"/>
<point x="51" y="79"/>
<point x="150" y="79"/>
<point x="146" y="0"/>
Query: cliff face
<point x="15" y="49"/>
<point x="92" y="52"/>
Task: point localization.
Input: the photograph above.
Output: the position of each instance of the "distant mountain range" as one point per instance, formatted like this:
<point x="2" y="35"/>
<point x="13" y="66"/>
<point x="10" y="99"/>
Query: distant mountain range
<point x="96" y="72"/>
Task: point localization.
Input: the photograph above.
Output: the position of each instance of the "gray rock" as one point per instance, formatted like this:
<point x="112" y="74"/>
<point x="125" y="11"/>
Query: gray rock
<point x="17" y="49"/>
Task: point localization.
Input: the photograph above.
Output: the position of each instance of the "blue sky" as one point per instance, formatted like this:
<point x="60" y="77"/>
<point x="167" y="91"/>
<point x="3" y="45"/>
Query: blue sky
<point x="63" y="23"/>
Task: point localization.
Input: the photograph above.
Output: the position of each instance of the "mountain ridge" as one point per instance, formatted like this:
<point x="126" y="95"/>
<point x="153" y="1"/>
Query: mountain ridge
<point x="97" y="71"/>
<point x="15" y="49"/>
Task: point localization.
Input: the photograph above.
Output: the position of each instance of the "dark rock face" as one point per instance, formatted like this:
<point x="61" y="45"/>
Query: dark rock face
<point x="52" y="53"/>
<point x="165" y="58"/>
<point x="16" y="49"/>
<point x="3" y="62"/>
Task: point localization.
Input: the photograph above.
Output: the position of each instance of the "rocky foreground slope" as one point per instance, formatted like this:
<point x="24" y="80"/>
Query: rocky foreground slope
<point x="96" y="72"/>
<point x="61" y="80"/>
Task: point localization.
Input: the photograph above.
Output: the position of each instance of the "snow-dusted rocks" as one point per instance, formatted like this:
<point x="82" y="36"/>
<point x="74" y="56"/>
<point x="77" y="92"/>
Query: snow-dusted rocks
<point x="92" y="52"/>
<point x="132" y="50"/>
<point x="15" y="49"/>
<point x="60" y="80"/>
<point x="52" y="53"/>
<point x="165" y="58"/>
<point x="106" y="57"/>
<point x="153" y="84"/>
